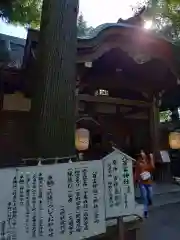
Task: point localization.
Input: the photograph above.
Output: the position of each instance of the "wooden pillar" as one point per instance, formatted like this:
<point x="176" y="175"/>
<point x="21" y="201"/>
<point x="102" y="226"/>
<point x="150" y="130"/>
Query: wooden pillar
<point x="175" y="114"/>
<point x="1" y="95"/>
<point x="154" y="127"/>
<point x="2" y="78"/>
<point x="53" y="104"/>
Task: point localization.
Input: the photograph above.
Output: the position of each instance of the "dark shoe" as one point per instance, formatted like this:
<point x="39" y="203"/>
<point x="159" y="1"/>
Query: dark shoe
<point x="145" y="214"/>
<point x="150" y="203"/>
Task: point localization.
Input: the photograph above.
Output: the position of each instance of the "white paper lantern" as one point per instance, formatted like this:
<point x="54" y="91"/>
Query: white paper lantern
<point x="174" y="140"/>
<point x="82" y="139"/>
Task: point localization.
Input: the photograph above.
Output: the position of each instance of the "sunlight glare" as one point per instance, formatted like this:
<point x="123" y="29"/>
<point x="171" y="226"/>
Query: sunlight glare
<point x="148" y="24"/>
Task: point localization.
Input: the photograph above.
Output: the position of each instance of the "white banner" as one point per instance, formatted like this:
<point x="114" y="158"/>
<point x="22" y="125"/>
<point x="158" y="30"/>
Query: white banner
<point x="63" y="201"/>
<point x="119" y="186"/>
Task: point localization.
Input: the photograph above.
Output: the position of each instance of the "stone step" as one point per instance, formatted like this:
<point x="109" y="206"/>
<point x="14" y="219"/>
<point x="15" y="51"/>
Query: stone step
<point x="169" y="197"/>
<point x="163" y="194"/>
<point x="176" y="180"/>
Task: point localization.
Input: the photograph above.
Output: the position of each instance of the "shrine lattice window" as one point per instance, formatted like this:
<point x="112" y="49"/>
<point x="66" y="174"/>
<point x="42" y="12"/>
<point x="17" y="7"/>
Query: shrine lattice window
<point x="101" y="92"/>
<point x="165" y="116"/>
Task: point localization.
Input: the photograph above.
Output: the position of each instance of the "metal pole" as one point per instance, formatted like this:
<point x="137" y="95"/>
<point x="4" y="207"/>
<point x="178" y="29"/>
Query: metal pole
<point x="120" y="226"/>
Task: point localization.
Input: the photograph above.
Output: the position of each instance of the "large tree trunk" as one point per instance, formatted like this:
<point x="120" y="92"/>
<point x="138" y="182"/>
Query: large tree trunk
<point x="53" y="105"/>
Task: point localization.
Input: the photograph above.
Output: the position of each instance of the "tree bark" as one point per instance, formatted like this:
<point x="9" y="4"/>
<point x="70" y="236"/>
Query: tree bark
<point x="53" y="104"/>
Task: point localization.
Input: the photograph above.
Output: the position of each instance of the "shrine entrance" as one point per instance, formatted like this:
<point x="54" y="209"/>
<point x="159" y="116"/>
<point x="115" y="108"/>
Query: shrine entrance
<point x="123" y="96"/>
<point x="122" y="74"/>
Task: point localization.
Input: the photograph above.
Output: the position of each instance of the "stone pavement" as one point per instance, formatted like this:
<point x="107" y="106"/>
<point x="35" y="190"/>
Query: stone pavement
<point x="163" y="194"/>
<point x="163" y="223"/>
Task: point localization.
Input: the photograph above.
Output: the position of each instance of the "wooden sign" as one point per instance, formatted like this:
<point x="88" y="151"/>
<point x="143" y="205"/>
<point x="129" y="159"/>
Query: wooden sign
<point x="119" y="186"/>
<point x="60" y="201"/>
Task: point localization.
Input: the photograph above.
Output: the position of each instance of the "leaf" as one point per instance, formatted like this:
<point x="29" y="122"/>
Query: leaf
<point x="24" y="12"/>
<point x="82" y="29"/>
<point x="165" y="15"/>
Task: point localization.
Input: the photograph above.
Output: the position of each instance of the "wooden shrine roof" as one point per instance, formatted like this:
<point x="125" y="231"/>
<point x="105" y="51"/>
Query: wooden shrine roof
<point x="140" y="44"/>
<point x="120" y="53"/>
<point x="116" y="69"/>
<point x="11" y="51"/>
<point x="132" y="39"/>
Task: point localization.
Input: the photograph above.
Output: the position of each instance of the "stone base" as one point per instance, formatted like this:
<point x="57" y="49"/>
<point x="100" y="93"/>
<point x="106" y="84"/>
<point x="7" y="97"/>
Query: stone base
<point x="133" y="231"/>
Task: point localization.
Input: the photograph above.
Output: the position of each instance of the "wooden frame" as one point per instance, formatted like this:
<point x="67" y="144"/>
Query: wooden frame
<point x="110" y="100"/>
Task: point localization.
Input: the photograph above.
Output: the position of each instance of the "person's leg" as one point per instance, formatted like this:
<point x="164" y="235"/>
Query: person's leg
<point x="145" y="199"/>
<point x="149" y="194"/>
<point x="141" y="193"/>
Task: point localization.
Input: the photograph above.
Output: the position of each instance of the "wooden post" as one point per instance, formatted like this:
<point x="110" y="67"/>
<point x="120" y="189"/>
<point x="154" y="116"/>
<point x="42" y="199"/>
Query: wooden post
<point x="175" y="114"/>
<point x="154" y="127"/>
<point x="120" y="226"/>
<point x="53" y="103"/>
<point x="1" y="92"/>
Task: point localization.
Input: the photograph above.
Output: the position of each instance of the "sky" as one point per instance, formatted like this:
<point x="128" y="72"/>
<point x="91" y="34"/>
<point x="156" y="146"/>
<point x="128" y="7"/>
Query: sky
<point x="95" y="13"/>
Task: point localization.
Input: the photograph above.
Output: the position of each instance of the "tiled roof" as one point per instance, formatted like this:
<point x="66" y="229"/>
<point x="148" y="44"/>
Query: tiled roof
<point x="11" y="51"/>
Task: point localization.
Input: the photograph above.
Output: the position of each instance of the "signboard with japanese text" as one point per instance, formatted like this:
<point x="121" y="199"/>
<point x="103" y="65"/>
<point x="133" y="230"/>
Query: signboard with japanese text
<point x="60" y="201"/>
<point x="119" y="186"/>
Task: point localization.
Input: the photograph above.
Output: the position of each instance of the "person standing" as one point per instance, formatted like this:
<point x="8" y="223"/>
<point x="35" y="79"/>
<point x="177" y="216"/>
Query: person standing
<point x="143" y="175"/>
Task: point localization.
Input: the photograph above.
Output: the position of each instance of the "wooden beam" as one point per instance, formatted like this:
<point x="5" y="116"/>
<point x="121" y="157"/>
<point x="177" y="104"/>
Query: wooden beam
<point x="110" y="100"/>
<point x="119" y="80"/>
<point x="140" y="117"/>
<point x="154" y="128"/>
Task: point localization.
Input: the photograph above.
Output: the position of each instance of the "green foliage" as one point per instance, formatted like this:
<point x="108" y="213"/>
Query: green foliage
<point x="165" y="116"/>
<point x="82" y="28"/>
<point x="81" y="25"/>
<point x="28" y="13"/>
<point x="24" y="12"/>
<point x="166" y="17"/>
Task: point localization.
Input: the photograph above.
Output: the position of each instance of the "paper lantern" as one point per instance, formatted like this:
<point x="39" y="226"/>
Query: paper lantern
<point x="82" y="139"/>
<point x="174" y="140"/>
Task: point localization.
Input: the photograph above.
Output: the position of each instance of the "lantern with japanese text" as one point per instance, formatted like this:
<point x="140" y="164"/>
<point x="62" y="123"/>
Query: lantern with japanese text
<point x="82" y="139"/>
<point x="174" y="140"/>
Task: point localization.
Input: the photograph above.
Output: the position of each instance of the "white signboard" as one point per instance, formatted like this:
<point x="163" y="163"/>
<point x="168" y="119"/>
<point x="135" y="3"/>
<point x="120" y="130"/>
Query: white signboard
<point x="165" y="156"/>
<point x="63" y="201"/>
<point x="119" y="186"/>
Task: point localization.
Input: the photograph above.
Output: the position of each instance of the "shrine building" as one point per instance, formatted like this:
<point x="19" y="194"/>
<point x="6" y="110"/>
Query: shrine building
<point x="126" y="75"/>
